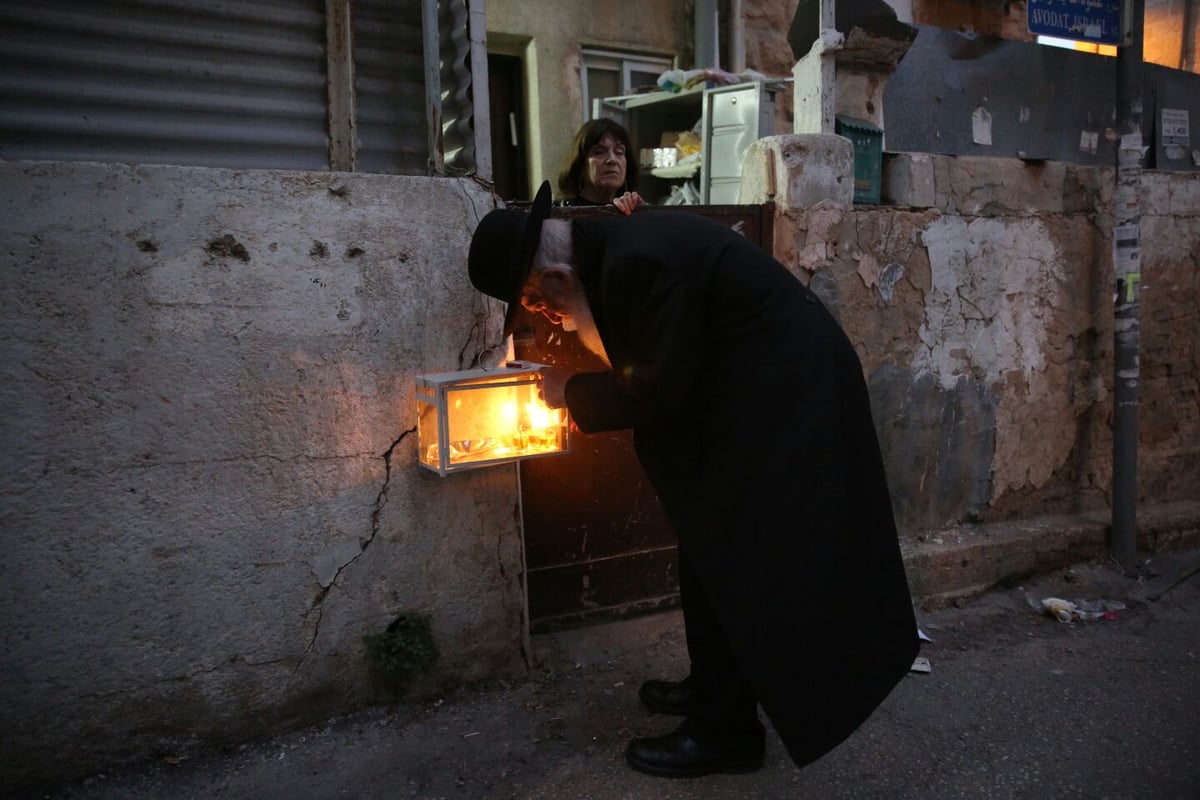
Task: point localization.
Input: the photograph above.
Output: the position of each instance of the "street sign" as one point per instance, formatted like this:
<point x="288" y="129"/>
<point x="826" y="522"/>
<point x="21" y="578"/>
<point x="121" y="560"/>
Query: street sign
<point x="1096" y="21"/>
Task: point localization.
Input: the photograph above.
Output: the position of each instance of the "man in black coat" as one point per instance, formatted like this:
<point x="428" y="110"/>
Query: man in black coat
<point x="752" y="421"/>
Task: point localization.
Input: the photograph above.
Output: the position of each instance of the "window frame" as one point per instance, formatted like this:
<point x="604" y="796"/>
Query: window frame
<point x="623" y="63"/>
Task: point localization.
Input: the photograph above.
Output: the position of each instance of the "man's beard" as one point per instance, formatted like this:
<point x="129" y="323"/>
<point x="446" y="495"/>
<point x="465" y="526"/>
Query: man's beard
<point x="579" y="319"/>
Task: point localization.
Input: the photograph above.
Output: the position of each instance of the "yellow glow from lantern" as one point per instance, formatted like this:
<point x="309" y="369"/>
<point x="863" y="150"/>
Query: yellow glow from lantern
<point x="495" y="421"/>
<point x="540" y="415"/>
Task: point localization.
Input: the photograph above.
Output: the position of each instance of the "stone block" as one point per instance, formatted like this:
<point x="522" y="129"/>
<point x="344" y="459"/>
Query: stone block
<point x="799" y="170"/>
<point x="1170" y="194"/>
<point x="812" y="94"/>
<point x="998" y="186"/>
<point x="908" y="180"/>
<point x="1087" y="190"/>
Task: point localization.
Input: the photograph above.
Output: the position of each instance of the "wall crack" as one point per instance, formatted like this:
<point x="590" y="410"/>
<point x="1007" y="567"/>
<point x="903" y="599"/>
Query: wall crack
<point x="318" y="604"/>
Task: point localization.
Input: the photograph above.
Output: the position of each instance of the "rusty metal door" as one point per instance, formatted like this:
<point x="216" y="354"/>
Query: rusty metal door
<point x="597" y="544"/>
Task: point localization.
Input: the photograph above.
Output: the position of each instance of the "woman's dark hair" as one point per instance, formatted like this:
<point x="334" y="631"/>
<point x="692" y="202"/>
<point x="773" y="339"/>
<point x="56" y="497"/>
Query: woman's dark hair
<point x="570" y="178"/>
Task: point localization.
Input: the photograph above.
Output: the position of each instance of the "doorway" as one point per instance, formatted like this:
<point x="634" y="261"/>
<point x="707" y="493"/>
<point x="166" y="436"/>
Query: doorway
<point x="506" y="80"/>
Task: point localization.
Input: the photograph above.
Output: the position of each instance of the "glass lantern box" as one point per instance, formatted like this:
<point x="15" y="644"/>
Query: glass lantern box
<point x="483" y="417"/>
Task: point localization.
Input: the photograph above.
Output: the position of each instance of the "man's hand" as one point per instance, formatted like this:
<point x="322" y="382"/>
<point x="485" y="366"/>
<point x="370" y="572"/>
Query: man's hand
<point x="627" y="202"/>
<point x="554" y="386"/>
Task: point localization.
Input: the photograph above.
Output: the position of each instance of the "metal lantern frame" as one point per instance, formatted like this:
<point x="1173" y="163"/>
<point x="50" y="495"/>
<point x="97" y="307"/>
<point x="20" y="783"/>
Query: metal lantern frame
<point x="435" y="394"/>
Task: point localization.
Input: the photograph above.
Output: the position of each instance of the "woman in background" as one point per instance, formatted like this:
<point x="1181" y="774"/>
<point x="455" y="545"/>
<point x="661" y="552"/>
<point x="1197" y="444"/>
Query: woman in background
<point x="597" y="170"/>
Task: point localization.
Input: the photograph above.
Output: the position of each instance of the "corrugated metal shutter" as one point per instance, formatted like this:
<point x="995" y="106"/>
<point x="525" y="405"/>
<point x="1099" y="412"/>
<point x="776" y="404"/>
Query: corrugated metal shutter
<point x="389" y="70"/>
<point x="458" y="116"/>
<point x="233" y="84"/>
<point x="389" y="84"/>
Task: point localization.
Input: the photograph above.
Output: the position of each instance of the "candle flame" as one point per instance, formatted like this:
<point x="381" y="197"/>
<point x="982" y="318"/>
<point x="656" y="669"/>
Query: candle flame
<point x="540" y="415"/>
<point x="525" y="428"/>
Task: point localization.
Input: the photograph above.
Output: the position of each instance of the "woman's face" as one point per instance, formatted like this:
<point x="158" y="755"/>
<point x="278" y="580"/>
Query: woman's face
<point x="605" y="174"/>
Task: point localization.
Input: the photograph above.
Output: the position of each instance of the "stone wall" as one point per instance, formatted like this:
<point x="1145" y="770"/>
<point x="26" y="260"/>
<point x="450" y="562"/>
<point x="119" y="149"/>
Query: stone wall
<point x="211" y="490"/>
<point x="209" y="472"/>
<point x="980" y="301"/>
<point x="766" y="24"/>
<point x="1169" y="414"/>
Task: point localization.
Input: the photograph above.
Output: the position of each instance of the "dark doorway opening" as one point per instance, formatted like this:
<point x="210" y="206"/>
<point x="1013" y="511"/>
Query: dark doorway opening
<point x="508" y="126"/>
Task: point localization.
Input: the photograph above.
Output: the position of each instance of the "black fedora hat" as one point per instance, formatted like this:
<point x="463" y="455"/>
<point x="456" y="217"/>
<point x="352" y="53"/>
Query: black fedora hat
<point x="502" y="249"/>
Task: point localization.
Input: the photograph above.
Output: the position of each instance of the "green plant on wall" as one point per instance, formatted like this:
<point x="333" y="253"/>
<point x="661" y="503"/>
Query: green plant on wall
<point x="406" y="646"/>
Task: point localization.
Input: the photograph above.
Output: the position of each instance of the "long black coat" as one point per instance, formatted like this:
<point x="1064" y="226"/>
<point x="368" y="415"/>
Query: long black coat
<point x="752" y="421"/>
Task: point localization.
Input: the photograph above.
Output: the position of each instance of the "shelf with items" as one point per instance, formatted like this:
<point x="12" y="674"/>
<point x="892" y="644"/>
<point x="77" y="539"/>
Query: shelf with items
<point x="723" y="121"/>
<point x="646" y="117"/>
<point x="680" y="170"/>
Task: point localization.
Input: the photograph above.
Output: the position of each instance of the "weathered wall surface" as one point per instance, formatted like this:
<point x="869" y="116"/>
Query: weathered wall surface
<point x="981" y="305"/>
<point x="209" y="474"/>
<point x="766" y="25"/>
<point x="210" y="489"/>
<point x="1169" y="418"/>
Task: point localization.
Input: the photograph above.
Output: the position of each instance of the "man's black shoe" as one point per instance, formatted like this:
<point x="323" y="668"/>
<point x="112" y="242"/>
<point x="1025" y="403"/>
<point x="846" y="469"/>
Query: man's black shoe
<point x="667" y="697"/>
<point x="684" y="755"/>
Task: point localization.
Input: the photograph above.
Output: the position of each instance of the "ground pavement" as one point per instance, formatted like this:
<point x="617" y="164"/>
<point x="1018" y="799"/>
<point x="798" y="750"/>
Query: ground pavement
<point x="1016" y="705"/>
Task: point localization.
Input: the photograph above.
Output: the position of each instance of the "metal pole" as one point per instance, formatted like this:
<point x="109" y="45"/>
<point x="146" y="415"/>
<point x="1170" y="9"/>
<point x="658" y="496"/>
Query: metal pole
<point x="1127" y="259"/>
<point x="737" y="37"/>
<point x="1187" y="48"/>
<point x="706" y="43"/>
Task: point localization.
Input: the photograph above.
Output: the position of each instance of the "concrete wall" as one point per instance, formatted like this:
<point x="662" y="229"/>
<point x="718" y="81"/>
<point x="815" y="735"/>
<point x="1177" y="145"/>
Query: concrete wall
<point x="209" y="477"/>
<point x="981" y="305"/>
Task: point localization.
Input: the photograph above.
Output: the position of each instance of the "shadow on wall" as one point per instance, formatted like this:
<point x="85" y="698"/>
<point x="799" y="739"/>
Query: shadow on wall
<point x="938" y="445"/>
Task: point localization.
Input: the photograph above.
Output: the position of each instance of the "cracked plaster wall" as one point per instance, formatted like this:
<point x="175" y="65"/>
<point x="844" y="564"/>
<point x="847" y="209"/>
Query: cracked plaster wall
<point x="980" y="303"/>
<point x="1169" y="414"/>
<point x="209" y="465"/>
